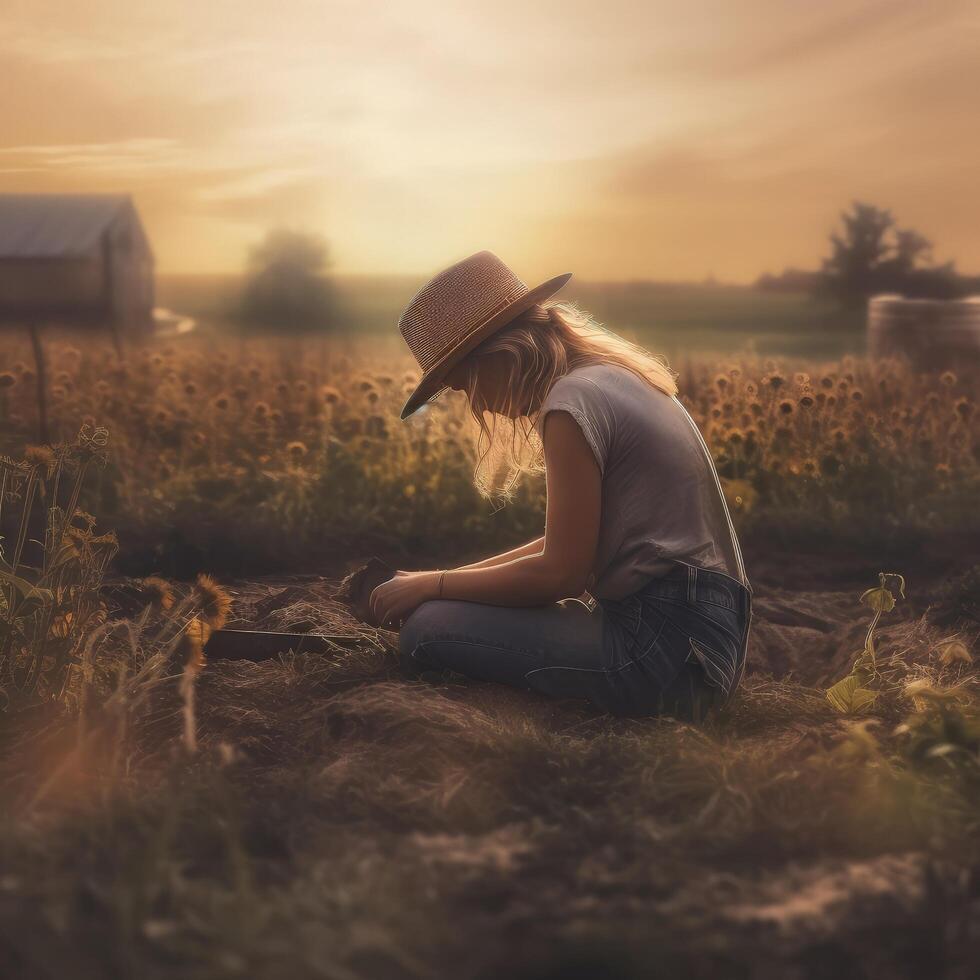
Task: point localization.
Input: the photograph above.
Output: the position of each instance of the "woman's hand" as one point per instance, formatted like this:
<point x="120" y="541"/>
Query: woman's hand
<point x="393" y="601"/>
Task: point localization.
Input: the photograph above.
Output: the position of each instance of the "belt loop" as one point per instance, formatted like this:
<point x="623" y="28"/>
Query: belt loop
<point x="692" y="577"/>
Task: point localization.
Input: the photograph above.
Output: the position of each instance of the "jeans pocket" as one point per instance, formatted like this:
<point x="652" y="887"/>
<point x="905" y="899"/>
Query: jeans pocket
<point x="696" y="616"/>
<point x="719" y="667"/>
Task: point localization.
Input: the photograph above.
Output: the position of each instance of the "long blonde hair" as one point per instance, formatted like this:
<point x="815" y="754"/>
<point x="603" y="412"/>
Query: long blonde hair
<point x="542" y="345"/>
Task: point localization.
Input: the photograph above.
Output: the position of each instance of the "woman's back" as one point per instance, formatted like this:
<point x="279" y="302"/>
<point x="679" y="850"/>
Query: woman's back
<point x="661" y="499"/>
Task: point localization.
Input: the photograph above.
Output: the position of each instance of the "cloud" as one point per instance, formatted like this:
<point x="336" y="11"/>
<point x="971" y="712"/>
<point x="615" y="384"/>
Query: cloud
<point x="626" y="136"/>
<point x="127" y="158"/>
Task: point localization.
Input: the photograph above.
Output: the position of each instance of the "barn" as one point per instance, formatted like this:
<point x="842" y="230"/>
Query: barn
<point x="75" y="259"/>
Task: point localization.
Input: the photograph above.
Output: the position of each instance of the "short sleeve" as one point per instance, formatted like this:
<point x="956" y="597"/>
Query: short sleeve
<point x="584" y="400"/>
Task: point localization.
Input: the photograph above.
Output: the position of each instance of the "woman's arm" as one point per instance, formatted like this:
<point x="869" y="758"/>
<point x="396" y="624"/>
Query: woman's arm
<point x="561" y="569"/>
<point x="534" y="547"/>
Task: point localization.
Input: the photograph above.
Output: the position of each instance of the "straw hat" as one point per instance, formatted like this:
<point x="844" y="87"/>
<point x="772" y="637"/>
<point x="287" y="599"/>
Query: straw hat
<point x="457" y="309"/>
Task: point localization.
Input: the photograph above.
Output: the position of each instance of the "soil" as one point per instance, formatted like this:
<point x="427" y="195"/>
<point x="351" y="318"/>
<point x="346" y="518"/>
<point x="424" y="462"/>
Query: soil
<point x="402" y="829"/>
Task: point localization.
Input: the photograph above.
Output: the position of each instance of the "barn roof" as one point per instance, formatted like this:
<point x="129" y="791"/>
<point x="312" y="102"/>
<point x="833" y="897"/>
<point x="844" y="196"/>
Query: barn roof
<point x="56" y="225"/>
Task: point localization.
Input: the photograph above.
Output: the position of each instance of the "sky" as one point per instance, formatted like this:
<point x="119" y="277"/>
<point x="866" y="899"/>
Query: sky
<point x="615" y="140"/>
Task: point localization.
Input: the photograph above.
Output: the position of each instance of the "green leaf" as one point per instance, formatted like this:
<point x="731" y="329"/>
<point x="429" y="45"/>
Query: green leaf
<point x="848" y="696"/>
<point x="25" y="588"/>
<point x="880" y="599"/>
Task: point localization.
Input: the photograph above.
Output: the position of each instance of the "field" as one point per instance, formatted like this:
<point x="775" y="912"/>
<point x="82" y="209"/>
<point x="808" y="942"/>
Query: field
<point x="321" y="816"/>
<point x="673" y="318"/>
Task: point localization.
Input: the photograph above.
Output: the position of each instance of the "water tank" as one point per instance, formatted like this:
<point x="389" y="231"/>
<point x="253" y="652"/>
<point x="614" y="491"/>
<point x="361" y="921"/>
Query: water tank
<point x="931" y="333"/>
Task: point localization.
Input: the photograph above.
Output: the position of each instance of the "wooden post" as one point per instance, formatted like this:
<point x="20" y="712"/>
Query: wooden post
<point x="108" y="297"/>
<point x="42" y="386"/>
<point x="117" y="340"/>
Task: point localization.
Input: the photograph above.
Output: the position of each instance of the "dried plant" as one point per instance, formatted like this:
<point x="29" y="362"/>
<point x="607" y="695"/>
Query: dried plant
<point x="49" y="605"/>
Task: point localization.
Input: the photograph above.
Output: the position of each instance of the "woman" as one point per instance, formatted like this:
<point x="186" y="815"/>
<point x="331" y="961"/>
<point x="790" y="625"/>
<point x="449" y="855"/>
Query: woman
<point x="636" y="516"/>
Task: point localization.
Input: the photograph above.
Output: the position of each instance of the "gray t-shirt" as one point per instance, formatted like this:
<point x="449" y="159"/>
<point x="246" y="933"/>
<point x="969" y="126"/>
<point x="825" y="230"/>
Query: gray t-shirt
<point x="661" y="496"/>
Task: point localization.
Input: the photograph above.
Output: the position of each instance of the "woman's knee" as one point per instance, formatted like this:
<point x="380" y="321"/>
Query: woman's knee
<point x="426" y="622"/>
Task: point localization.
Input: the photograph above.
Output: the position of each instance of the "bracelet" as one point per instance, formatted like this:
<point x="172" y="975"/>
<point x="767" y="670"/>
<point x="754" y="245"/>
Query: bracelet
<point x="442" y="575"/>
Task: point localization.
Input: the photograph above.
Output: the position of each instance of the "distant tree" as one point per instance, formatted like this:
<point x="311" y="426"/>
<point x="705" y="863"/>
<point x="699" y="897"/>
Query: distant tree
<point x="871" y="255"/>
<point x="909" y="245"/>
<point x="850" y="273"/>
<point x="285" y="284"/>
<point x="790" y="280"/>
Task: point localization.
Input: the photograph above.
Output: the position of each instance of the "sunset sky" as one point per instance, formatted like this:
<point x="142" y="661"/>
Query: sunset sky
<point x="612" y="139"/>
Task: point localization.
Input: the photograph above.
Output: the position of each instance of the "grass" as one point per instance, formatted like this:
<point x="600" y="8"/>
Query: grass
<point x="337" y="820"/>
<point x="323" y="816"/>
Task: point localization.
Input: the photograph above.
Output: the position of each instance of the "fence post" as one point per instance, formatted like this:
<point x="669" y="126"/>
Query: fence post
<point x="42" y="384"/>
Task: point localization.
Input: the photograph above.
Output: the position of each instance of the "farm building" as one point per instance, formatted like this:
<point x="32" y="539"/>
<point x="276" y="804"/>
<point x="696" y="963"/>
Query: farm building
<point x="75" y="258"/>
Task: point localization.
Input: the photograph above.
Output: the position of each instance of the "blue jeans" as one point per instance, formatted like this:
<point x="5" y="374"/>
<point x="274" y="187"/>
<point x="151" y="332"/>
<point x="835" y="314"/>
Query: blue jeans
<point x="675" y="647"/>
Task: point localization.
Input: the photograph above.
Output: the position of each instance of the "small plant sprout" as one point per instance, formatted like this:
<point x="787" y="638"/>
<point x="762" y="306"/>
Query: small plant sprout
<point x="852" y="694"/>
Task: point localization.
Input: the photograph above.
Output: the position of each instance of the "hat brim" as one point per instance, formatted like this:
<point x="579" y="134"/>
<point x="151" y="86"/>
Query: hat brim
<point x="432" y="380"/>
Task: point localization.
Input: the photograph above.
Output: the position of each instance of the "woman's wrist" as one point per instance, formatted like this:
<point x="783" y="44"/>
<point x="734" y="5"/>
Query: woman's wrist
<point x="436" y="583"/>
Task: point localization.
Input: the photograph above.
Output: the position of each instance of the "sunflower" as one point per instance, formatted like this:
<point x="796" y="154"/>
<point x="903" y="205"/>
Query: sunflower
<point x="213" y="601"/>
<point x="296" y="449"/>
<point x="39" y="455"/>
<point x="157" y="593"/>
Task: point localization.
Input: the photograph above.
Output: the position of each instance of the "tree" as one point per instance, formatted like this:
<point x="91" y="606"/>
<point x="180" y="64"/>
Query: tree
<point x="285" y="285"/>
<point x="872" y="255"/>
<point x="850" y="274"/>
